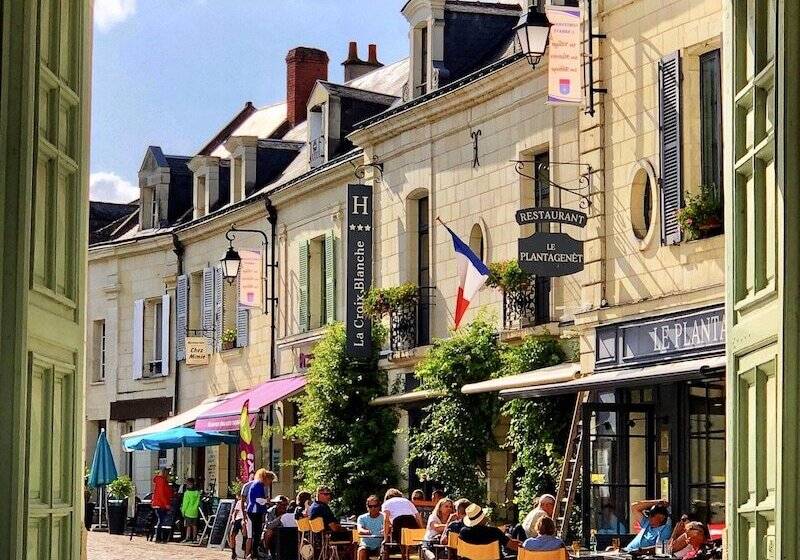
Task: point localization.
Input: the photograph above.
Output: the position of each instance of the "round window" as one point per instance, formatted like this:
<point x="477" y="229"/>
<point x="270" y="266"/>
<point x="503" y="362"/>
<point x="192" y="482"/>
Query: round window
<point x="642" y="203"/>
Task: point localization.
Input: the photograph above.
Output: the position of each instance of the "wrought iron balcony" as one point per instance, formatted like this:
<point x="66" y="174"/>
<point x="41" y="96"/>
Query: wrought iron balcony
<point x="527" y="306"/>
<point x="409" y="324"/>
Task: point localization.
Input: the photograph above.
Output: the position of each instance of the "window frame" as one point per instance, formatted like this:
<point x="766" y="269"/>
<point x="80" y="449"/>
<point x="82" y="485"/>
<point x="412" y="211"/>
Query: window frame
<point x="712" y="59"/>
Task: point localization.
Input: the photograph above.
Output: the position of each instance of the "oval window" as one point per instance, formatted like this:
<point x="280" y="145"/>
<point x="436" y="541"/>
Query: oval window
<point x="642" y="204"/>
<point x="476" y="240"/>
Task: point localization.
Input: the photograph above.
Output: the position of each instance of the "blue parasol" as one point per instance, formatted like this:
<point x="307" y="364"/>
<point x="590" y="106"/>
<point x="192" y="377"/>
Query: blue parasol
<point x="104" y="471"/>
<point x="178" y="437"/>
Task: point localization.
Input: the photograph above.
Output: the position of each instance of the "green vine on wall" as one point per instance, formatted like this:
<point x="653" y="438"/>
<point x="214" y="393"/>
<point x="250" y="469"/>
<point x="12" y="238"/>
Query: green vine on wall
<point x="508" y="276"/>
<point x="349" y="444"/>
<point x="379" y="302"/>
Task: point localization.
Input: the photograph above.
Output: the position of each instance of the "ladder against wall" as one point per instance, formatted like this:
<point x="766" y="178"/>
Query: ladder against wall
<point x="571" y="469"/>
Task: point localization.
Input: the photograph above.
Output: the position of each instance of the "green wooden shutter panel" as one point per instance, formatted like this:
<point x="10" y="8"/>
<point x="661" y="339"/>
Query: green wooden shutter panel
<point x="330" y="277"/>
<point x="303" y="319"/>
<point x="181" y="315"/>
<point x="670" y="139"/>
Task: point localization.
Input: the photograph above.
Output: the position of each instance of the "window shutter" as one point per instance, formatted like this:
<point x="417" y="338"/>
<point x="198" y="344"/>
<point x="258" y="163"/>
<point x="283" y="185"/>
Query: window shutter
<point x="242" y="326"/>
<point x="670" y="132"/>
<point x="166" y="320"/>
<point x="181" y="314"/>
<point x="208" y="305"/>
<point x="137" y="348"/>
<point x="303" y="318"/>
<point x="219" y="304"/>
<point x="330" y="277"/>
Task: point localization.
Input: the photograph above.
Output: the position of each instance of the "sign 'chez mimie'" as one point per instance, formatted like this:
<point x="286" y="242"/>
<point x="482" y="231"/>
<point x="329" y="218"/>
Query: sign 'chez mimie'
<point x="358" y="327"/>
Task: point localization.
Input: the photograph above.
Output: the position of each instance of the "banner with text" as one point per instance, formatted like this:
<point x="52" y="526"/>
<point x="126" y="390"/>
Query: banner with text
<point x="358" y="327"/>
<point x="250" y="279"/>
<point x="565" y="63"/>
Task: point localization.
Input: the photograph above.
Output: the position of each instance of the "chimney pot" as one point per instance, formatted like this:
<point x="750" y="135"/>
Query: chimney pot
<point x="352" y="52"/>
<point x="373" y="54"/>
<point x="304" y="67"/>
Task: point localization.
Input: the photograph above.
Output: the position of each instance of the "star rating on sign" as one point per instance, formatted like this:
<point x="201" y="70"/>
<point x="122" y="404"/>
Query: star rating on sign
<point x="360" y="227"/>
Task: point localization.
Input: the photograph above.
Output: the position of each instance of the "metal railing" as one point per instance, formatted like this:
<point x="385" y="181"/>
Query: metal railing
<point x="521" y="308"/>
<point x="409" y="324"/>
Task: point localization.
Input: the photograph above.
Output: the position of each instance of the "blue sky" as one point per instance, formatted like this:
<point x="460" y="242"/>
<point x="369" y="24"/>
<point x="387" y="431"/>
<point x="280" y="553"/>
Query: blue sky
<point x="172" y="72"/>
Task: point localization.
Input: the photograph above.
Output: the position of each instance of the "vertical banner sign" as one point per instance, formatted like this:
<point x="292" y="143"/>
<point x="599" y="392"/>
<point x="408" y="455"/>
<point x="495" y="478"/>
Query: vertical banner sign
<point x="247" y="454"/>
<point x="250" y="280"/>
<point x="565" y="63"/>
<point x="359" y="270"/>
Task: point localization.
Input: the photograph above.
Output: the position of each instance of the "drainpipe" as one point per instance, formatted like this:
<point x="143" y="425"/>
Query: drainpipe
<point x="179" y="250"/>
<point x="272" y="218"/>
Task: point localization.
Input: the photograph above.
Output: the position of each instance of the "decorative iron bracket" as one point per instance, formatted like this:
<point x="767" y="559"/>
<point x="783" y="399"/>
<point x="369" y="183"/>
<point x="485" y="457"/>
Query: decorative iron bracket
<point x="360" y="170"/>
<point x="475" y="135"/>
<point x="585" y="178"/>
<point x="230" y="235"/>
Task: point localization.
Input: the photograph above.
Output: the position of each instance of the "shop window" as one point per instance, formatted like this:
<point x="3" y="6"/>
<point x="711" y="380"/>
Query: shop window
<point x="99" y="348"/>
<point x="476" y="241"/>
<point x="707" y="452"/>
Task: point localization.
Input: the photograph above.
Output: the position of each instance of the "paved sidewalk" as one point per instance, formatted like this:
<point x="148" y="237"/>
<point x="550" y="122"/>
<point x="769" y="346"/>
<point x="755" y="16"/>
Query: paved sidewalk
<point x="102" y="546"/>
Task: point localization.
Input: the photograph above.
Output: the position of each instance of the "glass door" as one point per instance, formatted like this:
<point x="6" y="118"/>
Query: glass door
<point x="617" y="467"/>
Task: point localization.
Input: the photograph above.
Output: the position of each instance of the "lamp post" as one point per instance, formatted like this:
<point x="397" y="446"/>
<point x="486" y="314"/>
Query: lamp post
<point x="532" y="33"/>
<point x="231" y="262"/>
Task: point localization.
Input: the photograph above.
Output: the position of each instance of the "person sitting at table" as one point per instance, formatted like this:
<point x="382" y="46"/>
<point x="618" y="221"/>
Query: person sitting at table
<point x="437" y="495"/>
<point x="274" y="520"/>
<point x="691" y="541"/>
<point x="609" y="522"/>
<point x="302" y="504"/>
<point x="418" y="495"/>
<point x="543" y="507"/>
<point x="456" y="521"/>
<point x="370" y="526"/>
<point x="399" y="513"/>
<point x="436" y="524"/>
<point x="477" y="530"/>
<point x="545" y="538"/>
<point x="655" y="524"/>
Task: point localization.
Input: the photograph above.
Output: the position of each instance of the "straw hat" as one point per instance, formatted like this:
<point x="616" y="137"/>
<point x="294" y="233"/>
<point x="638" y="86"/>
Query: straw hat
<point x="473" y="515"/>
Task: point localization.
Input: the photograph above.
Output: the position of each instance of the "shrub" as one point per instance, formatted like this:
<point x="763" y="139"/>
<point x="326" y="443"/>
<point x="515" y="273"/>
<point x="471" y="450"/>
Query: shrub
<point x="508" y="276"/>
<point x="381" y="301"/>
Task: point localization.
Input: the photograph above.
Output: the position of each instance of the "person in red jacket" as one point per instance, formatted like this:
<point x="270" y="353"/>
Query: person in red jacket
<point x="162" y="501"/>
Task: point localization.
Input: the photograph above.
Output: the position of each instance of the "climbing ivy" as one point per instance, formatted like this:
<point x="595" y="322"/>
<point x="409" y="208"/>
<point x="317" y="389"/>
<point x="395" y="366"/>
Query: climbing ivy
<point x="456" y="433"/>
<point x="348" y="443"/>
<point x="538" y="427"/>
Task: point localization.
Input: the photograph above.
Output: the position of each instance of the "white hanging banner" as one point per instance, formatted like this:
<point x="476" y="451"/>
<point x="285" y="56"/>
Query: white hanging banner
<point x="251" y="282"/>
<point x="564" y="64"/>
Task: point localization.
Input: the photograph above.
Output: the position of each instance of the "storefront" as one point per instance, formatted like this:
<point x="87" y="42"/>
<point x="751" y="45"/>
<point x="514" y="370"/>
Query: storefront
<point x="654" y="423"/>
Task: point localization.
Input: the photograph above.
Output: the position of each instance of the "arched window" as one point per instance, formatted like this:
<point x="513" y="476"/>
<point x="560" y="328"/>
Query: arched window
<point x="476" y="240"/>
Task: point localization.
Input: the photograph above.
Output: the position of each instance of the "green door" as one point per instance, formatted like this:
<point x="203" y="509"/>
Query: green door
<point x="44" y="122"/>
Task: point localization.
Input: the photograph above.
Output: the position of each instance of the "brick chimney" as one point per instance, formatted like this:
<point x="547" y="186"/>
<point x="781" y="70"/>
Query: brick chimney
<point x="354" y="67"/>
<point x="304" y="66"/>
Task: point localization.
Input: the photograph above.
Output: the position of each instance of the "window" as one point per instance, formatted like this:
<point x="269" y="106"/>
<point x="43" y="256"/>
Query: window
<point x="316" y="131"/>
<point x="476" y="240"/>
<point x="154" y="209"/>
<point x="99" y="344"/>
<point x="157" y="321"/>
<point x="707" y="451"/>
<point x="317" y="282"/>
<point x="423" y="270"/>
<point x="153" y="327"/>
<point x="711" y="121"/>
<point x="230" y="305"/>
<point x="423" y="60"/>
<point x="195" y="321"/>
<point x="316" y="275"/>
<point x="641" y="203"/>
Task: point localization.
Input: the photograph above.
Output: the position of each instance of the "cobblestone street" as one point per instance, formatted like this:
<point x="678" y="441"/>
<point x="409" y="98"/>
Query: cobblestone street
<point x="102" y="546"/>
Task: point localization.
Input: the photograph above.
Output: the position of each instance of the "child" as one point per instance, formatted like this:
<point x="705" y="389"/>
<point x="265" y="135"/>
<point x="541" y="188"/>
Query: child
<point x="190" y="509"/>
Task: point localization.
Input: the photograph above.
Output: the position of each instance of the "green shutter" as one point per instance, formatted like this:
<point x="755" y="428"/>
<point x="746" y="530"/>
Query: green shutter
<point x="303" y="318"/>
<point x="330" y="277"/>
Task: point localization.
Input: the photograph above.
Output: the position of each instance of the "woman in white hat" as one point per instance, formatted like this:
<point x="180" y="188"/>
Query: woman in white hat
<point x="477" y="531"/>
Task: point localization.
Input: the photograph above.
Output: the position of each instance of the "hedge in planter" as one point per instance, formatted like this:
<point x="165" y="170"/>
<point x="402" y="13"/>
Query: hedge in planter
<point x="348" y="443"/>
<point x="456" y="434"/>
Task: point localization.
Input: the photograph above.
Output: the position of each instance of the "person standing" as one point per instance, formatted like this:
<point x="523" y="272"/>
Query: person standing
<point x="161" y="501"/>
<point x="190" y="509"/>
<point x="257" y="500"/>
<point x="399" y="513"/>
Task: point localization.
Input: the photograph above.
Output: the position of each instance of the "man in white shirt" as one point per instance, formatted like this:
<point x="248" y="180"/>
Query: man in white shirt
<point x="544" y="508"/>
<point x="399" y="513"/>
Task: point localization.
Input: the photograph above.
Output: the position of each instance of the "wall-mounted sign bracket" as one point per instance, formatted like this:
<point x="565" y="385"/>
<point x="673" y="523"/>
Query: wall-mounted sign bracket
<point x="360" y="170"/>
<point x="590" y="61"/>
<point x="585" y="179"/>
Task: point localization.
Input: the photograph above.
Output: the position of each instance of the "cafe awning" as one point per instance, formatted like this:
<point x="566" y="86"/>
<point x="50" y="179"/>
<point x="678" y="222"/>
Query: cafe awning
<point x="405" y="398"/>
<point x="225" y="416"/>
<point x="542" y="376"/>
<point x="666" y="372"/>
<point x="179" y="420"/>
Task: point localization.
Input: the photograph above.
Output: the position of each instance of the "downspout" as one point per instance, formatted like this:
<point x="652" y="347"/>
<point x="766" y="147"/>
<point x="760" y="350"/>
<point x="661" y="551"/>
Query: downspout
<point x="272" y="218"/>
<point x="179" y="250"/>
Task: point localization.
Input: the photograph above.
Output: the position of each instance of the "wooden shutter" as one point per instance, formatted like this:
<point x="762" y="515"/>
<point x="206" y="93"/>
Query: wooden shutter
<point x="330" y="277"/>
<point x="219" y="305"/>
<point x="302" y="268"/>
<point x="670" y="137"/>
<point x="181" y="316"/>
<point x="242" y="326"/>
<point x="208" y="305"/>
<point x="166" y="320"/>
<point x="137" y="347"/>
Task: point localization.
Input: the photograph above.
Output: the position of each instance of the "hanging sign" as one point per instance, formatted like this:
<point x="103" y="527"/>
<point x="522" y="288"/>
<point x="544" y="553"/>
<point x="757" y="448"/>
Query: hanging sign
<point x="251" y="282"/>
<point x="196" y="351"/>
<point x="359" y="270"/>
<point x="550" y="254"/>
<point x="550" y="215"/>
<point x="565" y="62"/>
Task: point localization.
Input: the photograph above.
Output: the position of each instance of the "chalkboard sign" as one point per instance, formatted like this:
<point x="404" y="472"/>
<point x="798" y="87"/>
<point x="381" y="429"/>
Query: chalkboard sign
<point x="144" y="520"/>
<point x="219" y="531"/>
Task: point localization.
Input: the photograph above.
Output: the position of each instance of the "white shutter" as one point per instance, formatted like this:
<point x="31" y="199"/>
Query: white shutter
<point x="181" y="315"/>
<point x="242" y="326"/>
<point x="208" y="305"/>
<point x="219" y="304"/>
<point x="165" y="328"/>
<point x="137" y="347"/>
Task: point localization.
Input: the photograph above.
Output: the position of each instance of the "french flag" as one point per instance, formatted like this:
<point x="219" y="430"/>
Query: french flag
<point x="472" y="274"/>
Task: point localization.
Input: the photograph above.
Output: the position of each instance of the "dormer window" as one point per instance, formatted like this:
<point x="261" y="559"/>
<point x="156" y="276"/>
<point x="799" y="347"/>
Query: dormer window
<point x="154" y="210"/>
<point x="316" y="139"/>
<point x="237" y="181"/>
<point x="421" y="61"/>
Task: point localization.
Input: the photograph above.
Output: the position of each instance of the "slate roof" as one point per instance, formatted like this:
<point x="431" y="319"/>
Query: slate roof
<point x="107" y="219"/>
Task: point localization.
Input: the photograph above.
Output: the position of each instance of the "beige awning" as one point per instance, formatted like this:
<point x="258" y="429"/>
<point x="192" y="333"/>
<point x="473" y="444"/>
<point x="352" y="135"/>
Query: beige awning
<point x="403" y="398"/>
<point x="182" y="419"/>
<point x="552" y="374"/>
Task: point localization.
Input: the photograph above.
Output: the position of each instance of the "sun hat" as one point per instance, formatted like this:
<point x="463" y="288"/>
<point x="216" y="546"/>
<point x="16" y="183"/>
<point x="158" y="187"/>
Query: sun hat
<point x="474" y="515"/>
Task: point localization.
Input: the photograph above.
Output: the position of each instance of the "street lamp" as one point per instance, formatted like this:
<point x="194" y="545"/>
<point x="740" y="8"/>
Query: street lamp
<point x="230" y="264"/>
<point x="532" y="32"/>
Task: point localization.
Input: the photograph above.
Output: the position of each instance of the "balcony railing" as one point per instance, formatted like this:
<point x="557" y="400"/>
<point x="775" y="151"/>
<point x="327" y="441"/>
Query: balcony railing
<point x="409" y="324"/>
<point x="527" y="306"/>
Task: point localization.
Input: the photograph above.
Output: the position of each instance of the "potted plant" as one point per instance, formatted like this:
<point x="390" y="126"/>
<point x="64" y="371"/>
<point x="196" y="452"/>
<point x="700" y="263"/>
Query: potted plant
<point x="379" y="302"/>
<point x="228" y="339"/>
<point x="235" y="488"/>
<point x="119" y="491"/>
<point x="701" y="216"/>
<point x="508" y="276"/>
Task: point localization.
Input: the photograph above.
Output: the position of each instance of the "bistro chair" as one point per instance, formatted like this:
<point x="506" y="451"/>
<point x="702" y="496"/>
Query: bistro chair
<point x="560" y="554"/>
<point x="452" y="545"/>
<point x="317" y="526"/>
<point x="305" y="548"/>
<point x="411" y="538"/>
<point x="469" y="551"/>
<point x="208" y="524"/>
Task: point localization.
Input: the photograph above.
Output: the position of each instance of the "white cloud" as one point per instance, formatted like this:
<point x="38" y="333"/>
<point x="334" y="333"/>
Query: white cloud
<point x="108" y="13"/>
<point x="110" y="187"/>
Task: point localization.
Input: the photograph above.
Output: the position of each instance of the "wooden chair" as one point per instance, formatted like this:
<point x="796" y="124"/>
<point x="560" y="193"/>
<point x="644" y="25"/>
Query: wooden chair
<point x="317" y="527"/>
<point x="411" y="538"/>
<point x="469" y="551"/>
<point x="305" y="547"/>
<point x="452" y="545"/>
<point x="560" y="554"/>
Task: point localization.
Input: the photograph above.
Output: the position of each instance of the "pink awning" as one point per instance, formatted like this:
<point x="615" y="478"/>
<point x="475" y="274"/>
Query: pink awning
<point x="225" y="416"/>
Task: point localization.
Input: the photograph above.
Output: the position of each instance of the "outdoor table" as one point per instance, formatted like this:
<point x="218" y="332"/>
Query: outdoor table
<point x="605" y="555"/>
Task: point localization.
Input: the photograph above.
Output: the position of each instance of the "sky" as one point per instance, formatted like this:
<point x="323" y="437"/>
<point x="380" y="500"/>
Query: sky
<point x="171" y="73"/>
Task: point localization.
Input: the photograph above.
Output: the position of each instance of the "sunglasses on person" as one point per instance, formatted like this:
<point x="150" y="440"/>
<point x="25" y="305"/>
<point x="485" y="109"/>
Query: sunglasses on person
<point x="324" y="493"/>
<point x="371" y="506"/>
